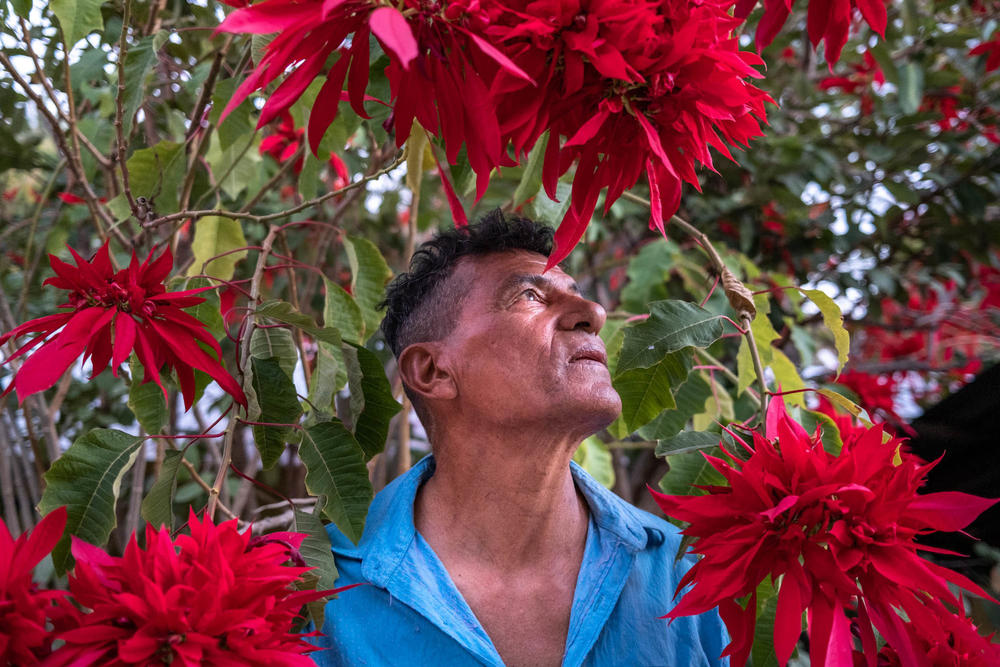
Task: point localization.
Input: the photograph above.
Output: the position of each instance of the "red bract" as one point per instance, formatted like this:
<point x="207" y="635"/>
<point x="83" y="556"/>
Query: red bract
<point x="876" y="393"/>
<point x="944" y="639"/>
<point x="24" y="609"/>
<point x="991" y="50"/>
<point x="837" y="530"/>
<point x="211" y="598"/>
<point x="111" y="313"/>
<point x="859" y="82"/>
<point x="828" y="20"/>
<point x="285" y="142"/>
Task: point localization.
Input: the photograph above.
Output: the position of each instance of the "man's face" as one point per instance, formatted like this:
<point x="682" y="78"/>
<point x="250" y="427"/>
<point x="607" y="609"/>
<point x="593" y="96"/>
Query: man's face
<point x="525" y="351"/>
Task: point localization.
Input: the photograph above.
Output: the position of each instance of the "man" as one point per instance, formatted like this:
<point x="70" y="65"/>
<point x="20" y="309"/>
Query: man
<point x="497" y="550"/>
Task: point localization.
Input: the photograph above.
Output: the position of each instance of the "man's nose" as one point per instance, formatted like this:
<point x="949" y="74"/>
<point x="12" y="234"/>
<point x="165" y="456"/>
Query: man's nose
<point x="581" y="313"/>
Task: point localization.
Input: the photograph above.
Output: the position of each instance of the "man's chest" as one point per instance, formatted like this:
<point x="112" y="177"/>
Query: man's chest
<point x="527" y="619"/>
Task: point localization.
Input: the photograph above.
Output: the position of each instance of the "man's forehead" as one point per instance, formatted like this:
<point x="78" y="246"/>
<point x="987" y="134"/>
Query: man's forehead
<point x="510" y="268"/>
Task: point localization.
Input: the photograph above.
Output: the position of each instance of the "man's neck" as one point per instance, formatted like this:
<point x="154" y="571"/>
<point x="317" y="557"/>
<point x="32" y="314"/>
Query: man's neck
<point x="509" y="500"/>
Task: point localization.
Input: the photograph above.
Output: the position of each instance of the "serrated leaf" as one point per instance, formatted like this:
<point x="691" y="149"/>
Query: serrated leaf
<point x="87" y="479"/>
<point x="279" y="404"/>
<point x="157" y="173"/>
<point x="275" y="343"/>
<point x="145" y="400"/>
<point x="157" y="506"/>
<point x="77" y="18"/>
<point x="593" y="456"/>
<point x="531" y="178"/>
<point x="316" y="549"/>
<point x="372" y="404"/>
<point x="646" y="392"/>
<point x="139" y="60"/>
<point x="342" y="312"/>
<point x="336" y="471"/>
<point x="690" y="398"/>
<point x="671" y="326"/>
<point x="686" y="442"/>
<point x="833" y="318"/>
<point x="369" y="275"/>
<point x="215" y="236"/>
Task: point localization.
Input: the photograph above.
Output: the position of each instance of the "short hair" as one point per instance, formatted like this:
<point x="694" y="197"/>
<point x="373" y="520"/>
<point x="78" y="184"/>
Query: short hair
<point x="420" y="306"/>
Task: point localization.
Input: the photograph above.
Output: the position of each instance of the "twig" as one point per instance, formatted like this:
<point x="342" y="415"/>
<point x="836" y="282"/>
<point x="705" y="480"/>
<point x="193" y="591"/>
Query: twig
<point x="194" y="215"/>
<point x="122" y="147"/>
<point x="131" y="524"/>
<point x="740" y="298"/>
<point x="7" y="484"/>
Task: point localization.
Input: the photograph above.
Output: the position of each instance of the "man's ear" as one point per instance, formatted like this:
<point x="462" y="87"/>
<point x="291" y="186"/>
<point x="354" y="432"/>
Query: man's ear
<point x="420" y="371"/>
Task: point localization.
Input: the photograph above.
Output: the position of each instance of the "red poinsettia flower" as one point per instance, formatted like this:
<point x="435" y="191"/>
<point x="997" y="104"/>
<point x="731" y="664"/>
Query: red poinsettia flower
<point x="284" y="143"/>
<point x="991" y="50"/>
<point x="865" y="76"/>
<point x="24" y="608"/>
<point x="209" y="598"/>
<point x="944" y="639"/>
<point x="632" y="86"/>
<point x="836" y="530"/>
<point x="110" y="314"/>
<point x="827" y="20"/>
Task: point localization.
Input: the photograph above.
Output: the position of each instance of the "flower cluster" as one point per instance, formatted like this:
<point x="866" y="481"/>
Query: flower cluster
<point x="24" y="608"/>
<point x="284" y="143"/>
<point x="837" y="532"/>
<point x="212" y="597"/>
<point x="864" y="77"/>
<point x="110" y="314"/>
<point x="664" y="78"/>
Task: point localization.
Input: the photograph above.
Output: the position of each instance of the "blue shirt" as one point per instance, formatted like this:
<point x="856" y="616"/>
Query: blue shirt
<point x="413" y="614"/>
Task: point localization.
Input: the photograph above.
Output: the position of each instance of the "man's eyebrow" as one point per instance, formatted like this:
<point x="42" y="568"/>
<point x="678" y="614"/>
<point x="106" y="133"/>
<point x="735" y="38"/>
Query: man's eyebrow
<point x="543" y="283"/>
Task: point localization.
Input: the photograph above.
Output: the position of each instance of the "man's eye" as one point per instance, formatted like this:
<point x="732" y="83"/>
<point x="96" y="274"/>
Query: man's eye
<point x="530" y="295"/>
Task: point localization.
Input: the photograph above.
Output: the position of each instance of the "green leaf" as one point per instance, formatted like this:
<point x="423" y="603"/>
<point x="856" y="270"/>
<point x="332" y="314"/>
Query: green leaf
<point x="690" y="398"/>
<point x="593" y="456"/>
<point x="77" y="18"/>
<point x="911" y="87"/>
<point x="207" y="312"/>
<point x="833" y="318"/>
<point x="315" y="548"/>
<point x="369" y="275"/>
<point x="372" y="404"/>
<point x="829" y="433"/>
<point x="672" y="326"/>
<point x="309" y="176"/>
<point x="87" y="479"/>
<point x="531" y="179"/>
<point x="323" y="383"/>
<point x="647" y="274"/>
<point x="214" y="236"/>
<point x="341" y="311"/>
<point x="336" y="471"/>
<point x="157" y="174"/>
<point x="841" y="401"/>
<point x="646" y="392"/>
<point x="139" y="61"/>
<point x="787" y="378"/>
<point x="145" y="400"/>
<point x="157" y="506"/>
<point x="686" y="442"/>
<point x="237" y="126"/>
<point x="279" y="404"/>
<point x="687" y="470"/>
<point x="545" y="210"/>
<point x="275" y="343"/>
<point x="282" y="311"/>
<point x="22" y="8"/>
<point x="762" y="653"/>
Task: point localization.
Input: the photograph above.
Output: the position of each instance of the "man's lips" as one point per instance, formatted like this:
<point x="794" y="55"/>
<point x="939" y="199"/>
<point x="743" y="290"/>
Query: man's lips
<point x="590" y="354"/>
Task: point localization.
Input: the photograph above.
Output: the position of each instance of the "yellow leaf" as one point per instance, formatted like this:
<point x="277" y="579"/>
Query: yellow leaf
<point x="833" y="318"/>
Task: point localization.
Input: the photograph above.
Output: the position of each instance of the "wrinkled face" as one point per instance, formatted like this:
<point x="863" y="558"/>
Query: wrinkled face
<point x="525" y="351"/>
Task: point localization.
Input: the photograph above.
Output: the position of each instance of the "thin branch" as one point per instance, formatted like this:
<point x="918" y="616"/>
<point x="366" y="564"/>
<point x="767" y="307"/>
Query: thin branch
<point x="272" y="216"/>
<point x="122" y="146"/>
